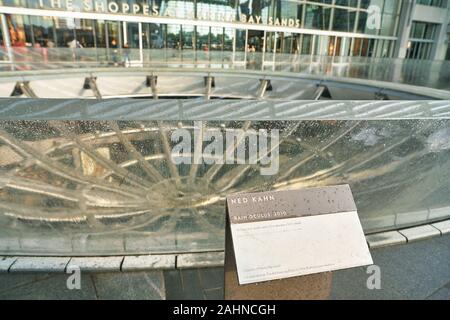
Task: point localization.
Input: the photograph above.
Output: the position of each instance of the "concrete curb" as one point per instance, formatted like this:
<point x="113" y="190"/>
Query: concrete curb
<point x="406" y="235"/>
<point x="384" y="239"/>
<point x="97" y="264"/>
<point x="39" y="264"/>
<point x="150" y="262"/>
<point x="443" y="227"/>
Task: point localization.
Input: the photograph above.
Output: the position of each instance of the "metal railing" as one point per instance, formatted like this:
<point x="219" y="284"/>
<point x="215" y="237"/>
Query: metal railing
<point x="425" y="73"/>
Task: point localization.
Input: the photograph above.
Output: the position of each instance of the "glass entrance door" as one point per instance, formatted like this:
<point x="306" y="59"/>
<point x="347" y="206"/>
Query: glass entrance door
<point x="132" y="44"/>
<point x="240" y="46"/>
<point x="270" y="43"/>
<point x="255" y="48"/>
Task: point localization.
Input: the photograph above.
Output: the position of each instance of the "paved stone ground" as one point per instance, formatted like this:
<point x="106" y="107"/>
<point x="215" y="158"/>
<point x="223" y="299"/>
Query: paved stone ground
<point x="127" y="286"/>
<point x="419" y="270"/>
<point x="200" y="284"/>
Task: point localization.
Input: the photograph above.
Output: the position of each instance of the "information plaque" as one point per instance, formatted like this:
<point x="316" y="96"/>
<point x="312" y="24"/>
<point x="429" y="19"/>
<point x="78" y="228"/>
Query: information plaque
<point x="286" y="234"/>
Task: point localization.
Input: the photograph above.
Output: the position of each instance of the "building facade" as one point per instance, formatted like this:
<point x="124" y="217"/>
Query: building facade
<point x="225" y="29"/>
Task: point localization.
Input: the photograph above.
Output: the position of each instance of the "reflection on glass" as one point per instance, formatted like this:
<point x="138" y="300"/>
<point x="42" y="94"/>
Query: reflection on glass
<point x="80" y="188"/>
<point x="344" y="20"/>
<point x="203" y="40"/>
<point x="224" y="10"/>
<point x="312" y="14"/>
<point x="188" y="37"/>
<point x="173" y="36"/>
<point x="255" y="40"/>
<point x="306" y="44"/>
<point x="153" y="35"/>
<point x="3" y="47"/>
<point x="176" y="8"/>
<point x="240" y="44"/>
<point x="317" y="17"/>
<point x="217" y="39"/>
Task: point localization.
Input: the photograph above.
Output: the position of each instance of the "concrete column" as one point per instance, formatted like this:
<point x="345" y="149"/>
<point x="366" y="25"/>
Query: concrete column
<point x="439" y="50"/>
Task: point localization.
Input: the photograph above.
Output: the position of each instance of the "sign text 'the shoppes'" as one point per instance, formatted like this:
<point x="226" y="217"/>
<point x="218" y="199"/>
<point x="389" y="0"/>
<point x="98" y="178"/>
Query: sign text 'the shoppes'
<point x="102" y="6"/>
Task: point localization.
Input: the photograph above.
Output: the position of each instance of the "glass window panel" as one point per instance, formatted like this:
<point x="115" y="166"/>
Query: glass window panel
<point x="270" y="46"/>
<point x="367" y="3"/>
<point x="422" y="30"/>
<point x="317" y="17"/>
<point x="430" y="30"/>
<point x="322" y="1"/>
<point x="255" y="40"/>
<point x="114" y="37"/>
<point x="224" y="10"/>
<point x="85" y="32"/>
<point x="344" y="20"/>
<point x="386" y="49"/>
<point x="337" y="46"/>
<point x="253" y="8"/>
<point x="362" y="26"/>
<point x="3" y="54"/>
<point x="101" y="42"/>
<point x="216" y="39"/>
<point x="365" y="48"/>
<point x="228" y="39"/>
<point x="203" y="38"/>
<point x="132" y="33"/>
<point x="357" y="44"/>
<point x="114" y="34"/>
<point x="323" y="45"/>
<point x="15" y="3"/>
<point x="65" y="31"/>
<point x="176" y="8"/>
<point x="388" y="25"/>
<point x="19" y="30"/>
<point x="371" y="48"/>
<point x="391" y="6"/>
<point x="345" y="46"/>
<point x="156" y="35"/>
<point x="42" y="30"/>
<point x="347" y="3"/>
<point x="100" y="34"/>
<point x="295" y="49"/>
<point x="418" y="29"/>
<point x="306" y="44"/>
<point x="287" y="42"/>
<point x="173" y="36"/>
<point x="290" y="10"/>
<point x="188" y="37"/>
<point x="240" y="41"/>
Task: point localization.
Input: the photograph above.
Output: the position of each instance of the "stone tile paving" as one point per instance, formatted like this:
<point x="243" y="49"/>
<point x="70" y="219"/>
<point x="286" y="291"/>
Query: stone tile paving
<point x="114" y="285"/>
<point x="413" y="271"/>
<point x="200" y="284"/>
